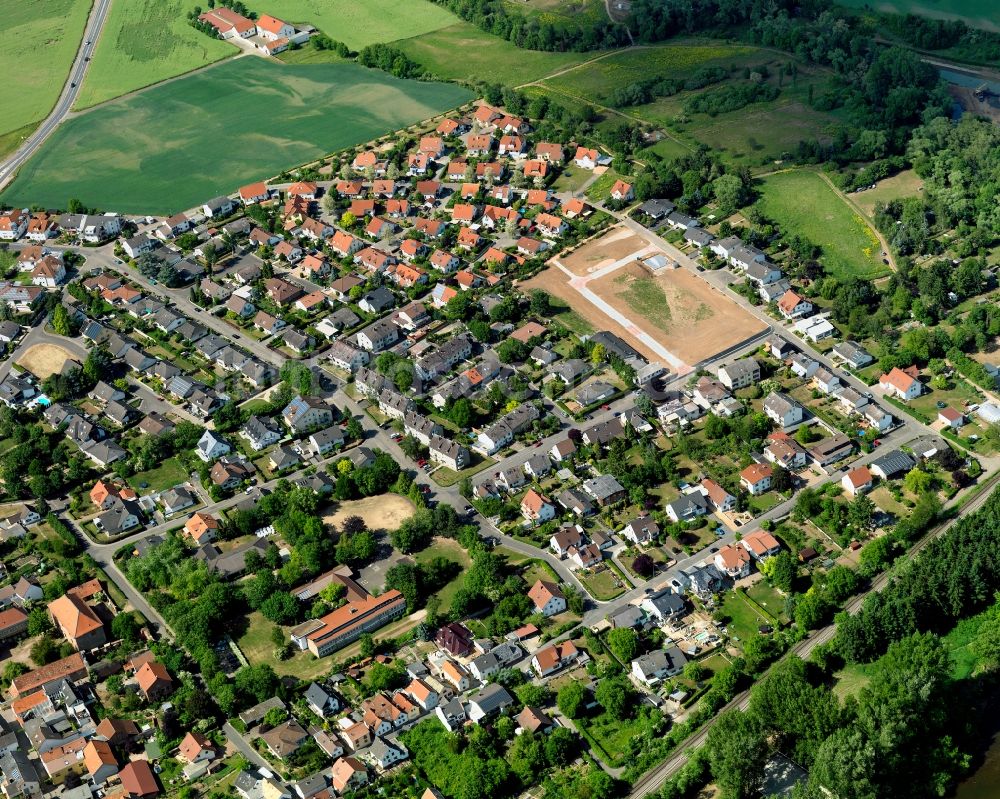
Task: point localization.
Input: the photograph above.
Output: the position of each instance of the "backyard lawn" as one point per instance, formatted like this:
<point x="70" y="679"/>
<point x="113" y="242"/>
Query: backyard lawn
<point x="571" y="179"/>
<point x="768" y="598"/>
<point x="144" y="42"/>
<point x="613" y="735"/>
<point x="602" y="585"/>
<point x="40" y="39"/>
<point x="168" y="474"/>
<point x="257" y="646"/>
<point x="803" y="204"/>
<point x="600" y="189"/>
<point x="882" y="497"/>
<point x="745" y="620"/>
<point x="171" y="146"/>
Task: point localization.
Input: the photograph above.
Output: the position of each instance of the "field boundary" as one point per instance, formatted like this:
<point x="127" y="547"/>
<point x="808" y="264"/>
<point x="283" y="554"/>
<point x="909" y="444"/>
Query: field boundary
<point x="76" y="112"/>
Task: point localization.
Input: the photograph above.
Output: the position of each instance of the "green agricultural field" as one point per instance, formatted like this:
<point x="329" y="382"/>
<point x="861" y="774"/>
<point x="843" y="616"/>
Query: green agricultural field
<point x="38" y="40"/>
<point x="172" y="146"/>
<point x="597" y="79"/>
<point x="358" y="24"/>
<point x="976" y="13"/>
<point x="463" y="52"/>
<point x="582" y="13"/>
<point x="804" y="204"/>
<point x="144" y="42"/>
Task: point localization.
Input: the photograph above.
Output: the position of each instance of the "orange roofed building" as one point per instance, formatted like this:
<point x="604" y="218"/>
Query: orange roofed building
<point x="104" y="494"/>
<point x="154" y="680"/>
<point x="201" y="527"/>
<point x="77" y="621"/>
<point x="70" y="668"/>
<point x="347" y="623"/>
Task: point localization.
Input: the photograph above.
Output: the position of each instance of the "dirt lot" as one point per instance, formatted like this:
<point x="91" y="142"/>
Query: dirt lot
<point x="555" y="283"/>
<point x="43" y="360"/>
<point x="384" y="512"/>
<point x="695" y="322"/>
<point x="672" y="310"/>
<point x="604" y="251"/>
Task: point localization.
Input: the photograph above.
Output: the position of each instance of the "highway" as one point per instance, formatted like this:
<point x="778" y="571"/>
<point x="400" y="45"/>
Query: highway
<point x="77" y="72"/>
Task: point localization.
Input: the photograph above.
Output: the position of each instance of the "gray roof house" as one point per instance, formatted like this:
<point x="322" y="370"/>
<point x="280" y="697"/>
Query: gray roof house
<point x="658" y="665"/>
<point x="490" y="701"/>
<point x="604" y="488"/>
<point x="210" y="446"/>
<point x="176" y="499"/>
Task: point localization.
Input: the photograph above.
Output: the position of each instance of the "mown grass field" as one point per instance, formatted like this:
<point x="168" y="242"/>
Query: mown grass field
<point x="463" y="52"/>
<point x="805" y="205"/>
<point x="170" y="147"/>
<point x="38" y="40"/>
<point x="144" y="42"/>
<point x="360" y="24"/>
<point x="976" y="13"/>
<point x="905" y="184"/>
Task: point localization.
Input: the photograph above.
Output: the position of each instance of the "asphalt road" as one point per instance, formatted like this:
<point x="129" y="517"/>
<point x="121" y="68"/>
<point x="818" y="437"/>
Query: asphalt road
<point x="77" y="72"/>
<point x="379" y="438"/>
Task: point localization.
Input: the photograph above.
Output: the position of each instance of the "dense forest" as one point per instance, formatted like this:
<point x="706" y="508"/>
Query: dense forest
<point x="960" y="165"/>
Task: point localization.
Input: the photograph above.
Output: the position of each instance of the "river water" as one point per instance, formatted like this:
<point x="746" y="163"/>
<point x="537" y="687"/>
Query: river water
<point x="985" y="783"/>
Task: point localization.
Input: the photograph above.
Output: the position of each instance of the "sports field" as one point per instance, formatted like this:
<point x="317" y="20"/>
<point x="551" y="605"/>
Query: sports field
<point x="803" y="204"/>
<point x="38" y="39"/>
<point x="976" y="13"/>
<point x="358" y="24"/>
<point x="173" y="146"/>
<point x="463" y="52"/>
<point x="144" y="42"/>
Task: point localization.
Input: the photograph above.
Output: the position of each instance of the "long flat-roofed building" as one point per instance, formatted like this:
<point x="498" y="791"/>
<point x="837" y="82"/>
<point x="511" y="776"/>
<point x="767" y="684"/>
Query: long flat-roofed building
<point x="348" y="622"/>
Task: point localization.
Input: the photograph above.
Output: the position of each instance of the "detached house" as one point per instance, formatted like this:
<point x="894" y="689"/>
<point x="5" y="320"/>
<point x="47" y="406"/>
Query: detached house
<point x="546" y="598"/>
<point x="857" y="481"/>
<point x="782" y="409"/>
<point x="901" y="383"/>
<point x="210" y="447"/>
<point x="761" y="545"/>
<point x="793" y="305"/>
<point x="733" y="560"/>
<point x="307" y="413"/>
<point x="536" y="507"/>
<point x="550" y="659"/>
<point x="740" y="374"/>
<point x="756" y="478"/>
